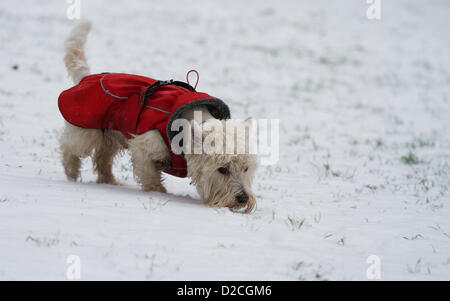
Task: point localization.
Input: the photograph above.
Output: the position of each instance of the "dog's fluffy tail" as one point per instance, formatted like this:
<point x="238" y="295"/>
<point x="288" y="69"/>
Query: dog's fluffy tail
<point x="75" y="59"/>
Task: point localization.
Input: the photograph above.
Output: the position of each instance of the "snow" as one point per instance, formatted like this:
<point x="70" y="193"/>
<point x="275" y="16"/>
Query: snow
<point x="364" y="164"/>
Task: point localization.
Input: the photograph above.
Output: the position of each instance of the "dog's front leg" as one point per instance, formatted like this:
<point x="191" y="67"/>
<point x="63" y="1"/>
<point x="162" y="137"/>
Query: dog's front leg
<point x="147" y="152"/>
<point x="148" y="175"/>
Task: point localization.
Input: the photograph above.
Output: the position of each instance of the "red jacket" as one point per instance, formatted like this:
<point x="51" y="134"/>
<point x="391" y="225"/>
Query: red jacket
<point x="134" y="104"/>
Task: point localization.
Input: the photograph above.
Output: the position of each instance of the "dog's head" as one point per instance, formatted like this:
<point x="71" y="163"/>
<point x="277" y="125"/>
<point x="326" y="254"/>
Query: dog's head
<point x="223" y="175"/>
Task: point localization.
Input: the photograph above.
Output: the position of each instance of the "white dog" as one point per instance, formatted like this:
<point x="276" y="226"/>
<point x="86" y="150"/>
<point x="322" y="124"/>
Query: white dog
<point x="222" y="179"/>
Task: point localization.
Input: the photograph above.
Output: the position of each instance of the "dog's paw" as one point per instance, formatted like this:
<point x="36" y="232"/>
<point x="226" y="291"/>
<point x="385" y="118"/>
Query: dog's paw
<point x="161" y="164"/>
<point x="158" y="188"/>
<point x="107" y="180"/>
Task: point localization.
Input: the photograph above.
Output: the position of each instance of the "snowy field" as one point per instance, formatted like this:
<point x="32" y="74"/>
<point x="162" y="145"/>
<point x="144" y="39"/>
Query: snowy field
<point x="364" y="167"/>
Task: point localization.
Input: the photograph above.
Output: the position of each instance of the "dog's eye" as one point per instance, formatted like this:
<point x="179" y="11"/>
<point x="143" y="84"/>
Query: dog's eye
<point x="224" y="170"/>
<point x="246" y="168"/>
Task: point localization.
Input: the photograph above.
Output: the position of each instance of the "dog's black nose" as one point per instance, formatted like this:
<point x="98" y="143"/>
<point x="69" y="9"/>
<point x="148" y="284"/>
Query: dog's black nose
<point x="242" y="197"/>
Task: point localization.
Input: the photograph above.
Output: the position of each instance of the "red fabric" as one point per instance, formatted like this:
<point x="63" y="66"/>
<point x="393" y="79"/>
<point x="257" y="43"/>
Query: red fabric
<point x="87" y="105"/>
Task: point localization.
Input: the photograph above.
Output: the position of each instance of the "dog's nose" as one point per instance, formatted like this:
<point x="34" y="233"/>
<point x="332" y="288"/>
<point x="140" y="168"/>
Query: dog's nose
<point x="242" y="197"/>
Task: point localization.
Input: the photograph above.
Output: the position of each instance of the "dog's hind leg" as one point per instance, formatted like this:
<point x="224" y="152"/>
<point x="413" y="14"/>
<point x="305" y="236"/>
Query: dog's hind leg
<point x="76" y="143"/>
<point x="71" y="163"/>
<point x="105" y="150"/>
<point x="149" y="154"/>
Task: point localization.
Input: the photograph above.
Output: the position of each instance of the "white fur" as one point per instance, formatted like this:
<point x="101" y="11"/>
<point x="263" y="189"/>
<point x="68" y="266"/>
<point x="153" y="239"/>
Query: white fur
<point x="75" y="59"/>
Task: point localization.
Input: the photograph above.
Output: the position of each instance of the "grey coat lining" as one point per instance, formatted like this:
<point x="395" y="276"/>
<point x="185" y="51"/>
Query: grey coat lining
<point x="216" y="107"/>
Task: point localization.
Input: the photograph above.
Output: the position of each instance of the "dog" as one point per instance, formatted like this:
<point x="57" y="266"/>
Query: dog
<point x="221" y="179"/>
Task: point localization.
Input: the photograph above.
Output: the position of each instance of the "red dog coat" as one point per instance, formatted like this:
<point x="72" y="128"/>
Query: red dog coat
<point x="134" y="104"/>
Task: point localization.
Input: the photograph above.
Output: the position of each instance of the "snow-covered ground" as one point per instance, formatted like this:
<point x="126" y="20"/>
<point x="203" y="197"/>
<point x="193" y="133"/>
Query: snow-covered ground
<point x="364" y="169"/>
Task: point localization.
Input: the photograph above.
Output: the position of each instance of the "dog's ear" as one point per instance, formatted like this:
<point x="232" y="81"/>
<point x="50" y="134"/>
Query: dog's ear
<point x="250" y="136"/>
<point x="249" y="122"/>
<point x="196" y="129"/>
<point x="196" y="137"/>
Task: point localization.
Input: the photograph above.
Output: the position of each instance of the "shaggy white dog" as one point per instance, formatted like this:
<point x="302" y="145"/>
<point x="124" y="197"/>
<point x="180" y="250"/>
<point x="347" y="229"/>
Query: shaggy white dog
<point x="222" y="179"/>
